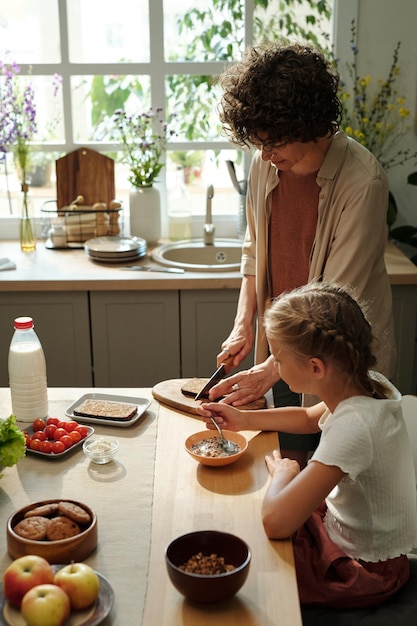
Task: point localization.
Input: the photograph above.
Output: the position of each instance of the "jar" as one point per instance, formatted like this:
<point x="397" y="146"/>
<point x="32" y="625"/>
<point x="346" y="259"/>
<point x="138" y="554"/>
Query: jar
<point x="58" y="234"/>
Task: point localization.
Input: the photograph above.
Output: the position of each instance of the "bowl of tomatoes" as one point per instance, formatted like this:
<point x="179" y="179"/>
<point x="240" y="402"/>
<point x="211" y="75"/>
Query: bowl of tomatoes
<point x="52" y="437"/>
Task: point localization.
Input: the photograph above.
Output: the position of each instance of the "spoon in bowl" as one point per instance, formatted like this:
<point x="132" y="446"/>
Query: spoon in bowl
<point x="227" y="445"/>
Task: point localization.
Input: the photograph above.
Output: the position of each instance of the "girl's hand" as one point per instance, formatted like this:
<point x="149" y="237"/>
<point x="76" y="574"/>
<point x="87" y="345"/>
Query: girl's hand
<point x="226" y="416"/>
<point x="275" y="463"/>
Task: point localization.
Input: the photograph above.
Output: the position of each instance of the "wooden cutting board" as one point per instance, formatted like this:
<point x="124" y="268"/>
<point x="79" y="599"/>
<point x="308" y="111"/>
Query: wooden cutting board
<point x="84" y="172"/>
<point x="169" y="392"/>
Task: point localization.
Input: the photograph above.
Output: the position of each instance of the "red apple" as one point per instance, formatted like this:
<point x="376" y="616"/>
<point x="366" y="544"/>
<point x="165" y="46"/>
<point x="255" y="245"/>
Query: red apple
<point x="23" y="574"/>
<point x="45" y="605"/>
<point x="80" y="582"/>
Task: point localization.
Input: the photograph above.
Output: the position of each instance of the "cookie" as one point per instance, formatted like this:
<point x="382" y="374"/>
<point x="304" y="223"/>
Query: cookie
<point x="45" y="510"/>
<point x="74" y="512"/>
<point x="61" y="527"/>
<point x="34" y="528"/>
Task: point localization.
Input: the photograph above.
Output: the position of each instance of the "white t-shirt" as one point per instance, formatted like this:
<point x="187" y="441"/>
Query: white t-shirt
<point x="372" y="512"/>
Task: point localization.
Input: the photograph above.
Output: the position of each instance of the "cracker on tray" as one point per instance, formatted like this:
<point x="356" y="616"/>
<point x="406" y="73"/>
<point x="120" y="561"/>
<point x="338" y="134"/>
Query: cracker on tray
<point x="106" y="409"/>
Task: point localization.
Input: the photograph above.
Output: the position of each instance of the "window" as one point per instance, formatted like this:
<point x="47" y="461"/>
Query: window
<point x="159" y="53"/>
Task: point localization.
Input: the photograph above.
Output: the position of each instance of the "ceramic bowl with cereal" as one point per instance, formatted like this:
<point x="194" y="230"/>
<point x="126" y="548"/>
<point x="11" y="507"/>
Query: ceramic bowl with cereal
<point x="208" y="566"/>
<point x="59" y="530"/>
<point x="205" y="447"/>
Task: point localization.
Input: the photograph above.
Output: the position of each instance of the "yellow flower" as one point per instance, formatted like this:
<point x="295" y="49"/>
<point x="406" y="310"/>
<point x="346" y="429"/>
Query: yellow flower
<point x="403" y="112"/>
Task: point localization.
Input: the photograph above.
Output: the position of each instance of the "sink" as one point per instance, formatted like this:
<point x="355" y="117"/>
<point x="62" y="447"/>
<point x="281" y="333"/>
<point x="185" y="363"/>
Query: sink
<point x="193" y="254"/>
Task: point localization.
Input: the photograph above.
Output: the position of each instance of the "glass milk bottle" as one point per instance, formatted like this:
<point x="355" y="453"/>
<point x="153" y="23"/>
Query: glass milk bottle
<point x="179" y="209"/>
<point x="27" y="373"/>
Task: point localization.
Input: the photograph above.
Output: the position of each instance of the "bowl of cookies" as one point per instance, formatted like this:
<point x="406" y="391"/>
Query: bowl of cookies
<point x="60" y="531"/>
<point x="208" y="566"/>
<point x="206" y="447"/>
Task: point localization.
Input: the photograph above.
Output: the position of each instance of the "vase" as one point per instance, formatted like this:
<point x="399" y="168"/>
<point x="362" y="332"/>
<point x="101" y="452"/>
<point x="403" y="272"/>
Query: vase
<point x="145" y="214"/>
<point x="27" y="223"/>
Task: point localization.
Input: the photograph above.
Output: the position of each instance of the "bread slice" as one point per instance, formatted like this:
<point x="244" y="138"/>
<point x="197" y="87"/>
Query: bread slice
<point x="192" y="387"/>
<point x="106" y="409"/>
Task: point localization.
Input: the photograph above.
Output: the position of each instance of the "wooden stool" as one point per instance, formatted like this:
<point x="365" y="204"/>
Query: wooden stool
<point x="401" y="610"/>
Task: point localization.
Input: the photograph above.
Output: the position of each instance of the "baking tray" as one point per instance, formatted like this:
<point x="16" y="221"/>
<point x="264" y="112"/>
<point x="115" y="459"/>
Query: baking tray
<point x="59" y="455"/>
<point x="143" y="405"/>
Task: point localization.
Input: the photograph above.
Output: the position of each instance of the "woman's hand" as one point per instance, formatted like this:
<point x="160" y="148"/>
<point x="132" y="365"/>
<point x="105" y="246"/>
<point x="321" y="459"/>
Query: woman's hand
<point x="248" y="385"/>
<point x="238" y="344"/>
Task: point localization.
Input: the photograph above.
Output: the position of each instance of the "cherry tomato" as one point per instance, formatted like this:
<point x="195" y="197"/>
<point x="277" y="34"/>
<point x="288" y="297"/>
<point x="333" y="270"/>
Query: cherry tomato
<point x="39" y="424"/>
<point x="39" y="434"/>
<point x="45" y="446"/>
<point x="67" y="441"/>
<point x="27" y="437"/>
<point x="52" y="420"/>
<point x="58" y="433"/>
<point x="58" y="447"/>
<point x="83" y="430"/>
<point x="75" y="436"/>
<point x="61" y="423"/>
<point x="49" y="431"/>
<point x="34" y="444"/>
<point x="70" y="426"/>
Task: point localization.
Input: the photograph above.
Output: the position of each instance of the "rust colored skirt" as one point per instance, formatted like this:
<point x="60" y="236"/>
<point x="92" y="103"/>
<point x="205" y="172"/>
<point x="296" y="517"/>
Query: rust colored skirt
<point x="326" y="576"/>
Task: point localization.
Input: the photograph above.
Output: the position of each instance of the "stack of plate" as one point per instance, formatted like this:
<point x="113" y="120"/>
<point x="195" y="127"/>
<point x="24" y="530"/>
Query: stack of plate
<point x="115" y="249"/>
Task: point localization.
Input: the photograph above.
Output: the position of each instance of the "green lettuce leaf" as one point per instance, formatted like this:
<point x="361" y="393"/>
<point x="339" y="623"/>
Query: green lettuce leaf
<point x="12" y="442"/>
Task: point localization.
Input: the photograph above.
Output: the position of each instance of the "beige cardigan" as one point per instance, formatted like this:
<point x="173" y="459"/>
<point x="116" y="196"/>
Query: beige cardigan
<point x="350" y="238"/>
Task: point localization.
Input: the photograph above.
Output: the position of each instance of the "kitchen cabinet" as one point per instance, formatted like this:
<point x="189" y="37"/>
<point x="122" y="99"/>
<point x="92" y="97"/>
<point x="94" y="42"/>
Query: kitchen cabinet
<point x="135" y="337"/>
<point x="62" y="324"/>
<point x="141" y="338"/>
<point x="404" y="304"/>
<point x="206" y="320"/>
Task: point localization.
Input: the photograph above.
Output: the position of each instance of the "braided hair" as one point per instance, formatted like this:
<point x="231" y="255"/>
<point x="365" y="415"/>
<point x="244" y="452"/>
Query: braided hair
<point x="324" y="321"/>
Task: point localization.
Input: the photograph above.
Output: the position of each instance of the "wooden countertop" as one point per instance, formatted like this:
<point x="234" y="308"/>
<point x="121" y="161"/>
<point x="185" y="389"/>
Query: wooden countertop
<point x="152" y="492"/>
<point x="71" y="270"/>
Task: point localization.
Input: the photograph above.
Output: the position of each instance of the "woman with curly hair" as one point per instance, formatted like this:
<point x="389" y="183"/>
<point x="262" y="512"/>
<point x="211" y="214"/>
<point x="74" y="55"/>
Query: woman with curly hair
<point x="316" y="210"/>
<point x="351" y="512"/>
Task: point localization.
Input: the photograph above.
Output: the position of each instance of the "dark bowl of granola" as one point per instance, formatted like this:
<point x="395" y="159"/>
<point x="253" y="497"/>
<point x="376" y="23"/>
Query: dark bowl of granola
<point x="205" y="447"/>
<point x="208" y="566"/>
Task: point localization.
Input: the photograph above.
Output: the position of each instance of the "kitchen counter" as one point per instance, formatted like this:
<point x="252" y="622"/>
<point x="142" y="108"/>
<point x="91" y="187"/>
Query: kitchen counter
<point x="114" y="318"/>
<point x="72" y="270"/>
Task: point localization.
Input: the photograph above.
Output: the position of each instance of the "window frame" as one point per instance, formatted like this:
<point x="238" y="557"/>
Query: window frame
<point x="157" y="68"/>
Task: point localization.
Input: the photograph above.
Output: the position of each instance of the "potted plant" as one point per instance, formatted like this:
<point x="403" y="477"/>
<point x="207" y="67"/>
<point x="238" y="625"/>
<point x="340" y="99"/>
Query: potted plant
<point x="144" y="137"/>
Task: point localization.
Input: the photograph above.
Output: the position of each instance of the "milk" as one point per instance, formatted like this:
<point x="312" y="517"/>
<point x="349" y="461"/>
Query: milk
<point x="27" y="375"/>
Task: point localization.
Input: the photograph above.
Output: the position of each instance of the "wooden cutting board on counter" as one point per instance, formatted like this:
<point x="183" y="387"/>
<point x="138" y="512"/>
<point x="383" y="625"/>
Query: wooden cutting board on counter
<point x="169" y="392"/>
<point x="84" y="172"/>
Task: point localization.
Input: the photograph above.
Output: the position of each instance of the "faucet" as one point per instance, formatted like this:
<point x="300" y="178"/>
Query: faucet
<point x="209" y="228"/>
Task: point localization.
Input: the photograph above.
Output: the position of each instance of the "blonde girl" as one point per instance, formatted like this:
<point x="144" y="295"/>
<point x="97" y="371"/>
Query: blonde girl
<point x="352" y="511"/>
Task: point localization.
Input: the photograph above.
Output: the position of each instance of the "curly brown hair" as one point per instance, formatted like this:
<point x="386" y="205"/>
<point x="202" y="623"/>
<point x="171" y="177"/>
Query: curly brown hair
<point x="323" y="320"/>
<point x="286" y="92"/>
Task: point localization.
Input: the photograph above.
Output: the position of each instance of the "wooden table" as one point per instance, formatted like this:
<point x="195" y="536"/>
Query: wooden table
<point x="153" y="492"/>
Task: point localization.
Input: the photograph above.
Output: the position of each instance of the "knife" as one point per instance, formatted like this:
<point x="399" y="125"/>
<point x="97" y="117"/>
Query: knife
<point x="218" y="375"/>
<point x="144" y="268"/>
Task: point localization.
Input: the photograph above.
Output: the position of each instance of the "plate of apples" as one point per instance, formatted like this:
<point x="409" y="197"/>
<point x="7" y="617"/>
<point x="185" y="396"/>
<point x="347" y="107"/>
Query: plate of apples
<point x="36" y="593"/>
